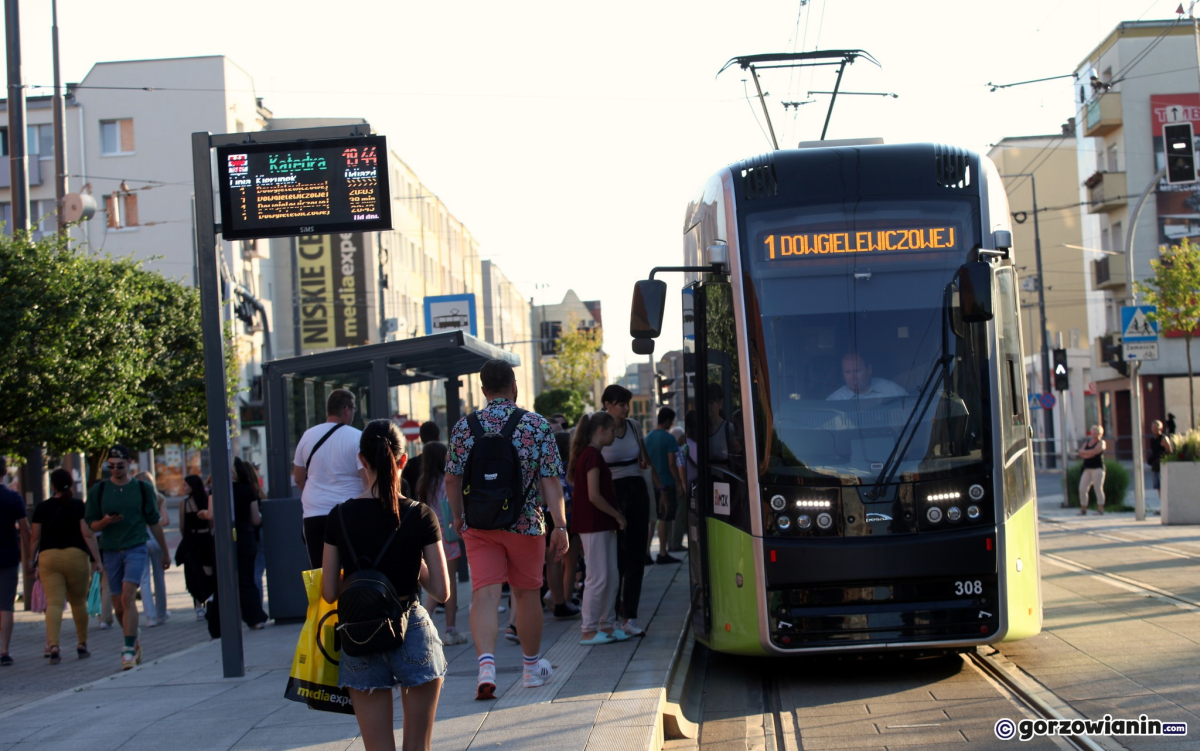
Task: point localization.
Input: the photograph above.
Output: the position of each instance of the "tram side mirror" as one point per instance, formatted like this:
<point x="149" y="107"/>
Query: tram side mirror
<point x="646" y="314"/>
<point x="975" y="292"/>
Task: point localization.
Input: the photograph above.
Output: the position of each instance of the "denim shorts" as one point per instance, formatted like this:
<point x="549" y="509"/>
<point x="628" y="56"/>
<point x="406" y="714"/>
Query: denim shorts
<point x="126" y="565"/>
<point x="419" y="660"/>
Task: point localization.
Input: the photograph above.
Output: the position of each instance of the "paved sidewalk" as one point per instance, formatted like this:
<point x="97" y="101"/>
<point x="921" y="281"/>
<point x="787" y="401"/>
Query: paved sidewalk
<point x="601" y="700"/>
<point x="32" y="677"/>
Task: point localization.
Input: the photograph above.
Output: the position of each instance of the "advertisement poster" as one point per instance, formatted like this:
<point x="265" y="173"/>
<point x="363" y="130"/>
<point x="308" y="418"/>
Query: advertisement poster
<point x="1178" y="205"/>
<point x="331" y="277"/>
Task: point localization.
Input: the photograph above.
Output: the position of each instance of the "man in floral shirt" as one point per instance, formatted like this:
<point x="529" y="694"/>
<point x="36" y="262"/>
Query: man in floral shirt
<point x="516" y="554"/>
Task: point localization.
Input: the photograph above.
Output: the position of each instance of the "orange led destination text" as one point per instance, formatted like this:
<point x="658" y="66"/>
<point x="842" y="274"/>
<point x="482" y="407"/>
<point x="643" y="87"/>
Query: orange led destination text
<point x="931" y="238"/>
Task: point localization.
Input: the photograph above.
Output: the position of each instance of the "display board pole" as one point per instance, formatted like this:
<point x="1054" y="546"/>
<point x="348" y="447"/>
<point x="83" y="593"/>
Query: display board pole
<point x="218" y="410"/>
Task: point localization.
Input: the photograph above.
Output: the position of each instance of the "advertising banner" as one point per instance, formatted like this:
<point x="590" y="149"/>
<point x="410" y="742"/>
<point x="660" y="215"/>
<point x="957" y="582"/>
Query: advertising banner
<point x="331" y="276"/>
<point x="1178" y="205"/>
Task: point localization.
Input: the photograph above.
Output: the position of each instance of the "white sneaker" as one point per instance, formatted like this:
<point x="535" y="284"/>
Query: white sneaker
<point x="151" y="621"/>
<point x="451" y="638"/>
<point x="633" y="628"/>
<point x="487" y="683"/>
<point x="105" y="626"/>
<point x="539" y="674"/>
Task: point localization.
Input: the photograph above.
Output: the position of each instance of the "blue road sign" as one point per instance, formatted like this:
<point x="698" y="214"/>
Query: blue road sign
<point x="1047" y="401"/>
<point x="1136" y="326"/>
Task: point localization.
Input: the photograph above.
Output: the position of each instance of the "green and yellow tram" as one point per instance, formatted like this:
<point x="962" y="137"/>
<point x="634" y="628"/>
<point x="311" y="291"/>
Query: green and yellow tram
<point x="856" y="392"/>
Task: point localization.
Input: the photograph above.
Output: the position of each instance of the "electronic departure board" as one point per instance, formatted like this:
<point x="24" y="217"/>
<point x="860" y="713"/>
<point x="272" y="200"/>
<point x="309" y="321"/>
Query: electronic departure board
<point x="304" y="187"/>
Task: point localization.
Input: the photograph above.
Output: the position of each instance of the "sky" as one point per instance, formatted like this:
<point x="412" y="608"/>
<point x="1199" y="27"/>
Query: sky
<point x="569" y="137"/>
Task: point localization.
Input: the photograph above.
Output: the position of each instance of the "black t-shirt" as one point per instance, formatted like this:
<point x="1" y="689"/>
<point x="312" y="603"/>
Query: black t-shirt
<point x="369" y="522"/>
<point x="243" y="496"/>
<point x="60" y="524"/>
<point x="411" y="473"/>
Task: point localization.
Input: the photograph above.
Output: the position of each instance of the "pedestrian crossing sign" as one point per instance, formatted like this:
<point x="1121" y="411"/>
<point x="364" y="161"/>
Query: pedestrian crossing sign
<point x="1139" y="333"/>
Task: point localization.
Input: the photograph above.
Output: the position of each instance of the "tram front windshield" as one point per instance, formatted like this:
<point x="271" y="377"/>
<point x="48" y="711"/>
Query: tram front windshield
<point x="865" y="370"/>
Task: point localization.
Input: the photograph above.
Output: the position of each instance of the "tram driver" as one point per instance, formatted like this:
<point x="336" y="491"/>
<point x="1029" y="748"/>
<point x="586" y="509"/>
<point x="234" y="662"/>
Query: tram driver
<point x="860" y="384"/>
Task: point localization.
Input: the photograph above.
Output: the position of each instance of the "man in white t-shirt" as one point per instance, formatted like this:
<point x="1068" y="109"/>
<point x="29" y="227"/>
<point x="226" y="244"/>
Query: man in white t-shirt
<point x="326" y="469"/>
<point x="860" y="384"/>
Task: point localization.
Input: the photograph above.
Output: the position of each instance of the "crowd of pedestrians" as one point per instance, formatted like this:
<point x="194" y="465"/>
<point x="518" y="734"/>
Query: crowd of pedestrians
<point x="559" y="517"/>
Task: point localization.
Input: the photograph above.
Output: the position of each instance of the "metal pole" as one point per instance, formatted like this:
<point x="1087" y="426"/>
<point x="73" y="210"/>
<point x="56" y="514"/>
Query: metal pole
<point x="17" y="157"/>
<point x="762" y="99"/>
<point x="1064" y="416"/>
<point x="1047" y="381"/>
<point x="1135" y="386"/>
<point x="60" y="136"/>
<point x="218" y="415"/>
<point x="836" y="86"/>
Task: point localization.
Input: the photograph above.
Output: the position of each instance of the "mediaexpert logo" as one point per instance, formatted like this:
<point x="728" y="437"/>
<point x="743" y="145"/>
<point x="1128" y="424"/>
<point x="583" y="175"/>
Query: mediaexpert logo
<point x="1026" y="730"/>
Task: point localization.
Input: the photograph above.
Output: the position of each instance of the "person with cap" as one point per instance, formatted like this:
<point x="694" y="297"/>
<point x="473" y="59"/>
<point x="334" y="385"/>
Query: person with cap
<point x="126" y="511"/>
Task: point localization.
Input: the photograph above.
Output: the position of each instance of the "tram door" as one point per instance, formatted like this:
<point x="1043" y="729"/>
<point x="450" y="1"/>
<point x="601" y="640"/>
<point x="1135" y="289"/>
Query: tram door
<point x="714" y="402"/>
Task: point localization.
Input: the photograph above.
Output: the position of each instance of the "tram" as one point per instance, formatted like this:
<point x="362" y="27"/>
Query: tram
<point x="856" y="393"/>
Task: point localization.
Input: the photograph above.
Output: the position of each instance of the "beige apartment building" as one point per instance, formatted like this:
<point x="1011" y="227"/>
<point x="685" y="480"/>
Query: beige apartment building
<point x="128" y="128"/>
<point x="1140" y="77"/>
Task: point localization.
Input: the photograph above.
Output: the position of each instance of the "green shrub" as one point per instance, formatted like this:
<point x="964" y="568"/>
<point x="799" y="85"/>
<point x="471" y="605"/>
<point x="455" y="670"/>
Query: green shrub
<point x="1116" y="485"/>
<point x="1187" y="447"/>
<point x="567" y="402"/>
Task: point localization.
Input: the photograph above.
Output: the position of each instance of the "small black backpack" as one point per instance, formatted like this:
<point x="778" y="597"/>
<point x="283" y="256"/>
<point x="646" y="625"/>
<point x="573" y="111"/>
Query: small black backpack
<point x="372" y="618"/>
<point x="494" y="490"/>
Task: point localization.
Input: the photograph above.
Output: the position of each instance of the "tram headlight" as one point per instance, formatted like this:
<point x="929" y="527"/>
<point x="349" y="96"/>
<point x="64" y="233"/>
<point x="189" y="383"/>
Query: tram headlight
<point x="954" y="513"/>
<point x="972" y="512"/>
<point x="976" y="492"/>
<point x="933" y="514"/>
<point x="804" y="521"/>
<point x="824" y="520"/>
<point x="784" y="523"/>
<point x="778" y="502"/>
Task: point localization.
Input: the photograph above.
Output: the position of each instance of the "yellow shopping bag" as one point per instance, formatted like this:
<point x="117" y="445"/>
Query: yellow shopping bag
<point x="314" y="675"/>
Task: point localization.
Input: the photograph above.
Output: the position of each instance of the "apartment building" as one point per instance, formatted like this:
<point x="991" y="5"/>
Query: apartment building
<point x="128" y="127"/>
<point x="507" y="323"/>
<point x="1140" y="76"/>
<point x="551" y="320"/>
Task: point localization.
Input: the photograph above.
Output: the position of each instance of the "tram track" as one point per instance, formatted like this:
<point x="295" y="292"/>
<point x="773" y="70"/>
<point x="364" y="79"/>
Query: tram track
<point x="1034" y="697"/>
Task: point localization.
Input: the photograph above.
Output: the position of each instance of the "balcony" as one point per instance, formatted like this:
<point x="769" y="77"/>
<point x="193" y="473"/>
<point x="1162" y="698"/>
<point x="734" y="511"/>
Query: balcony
<point x="1106" y="192"/>
<point x="1103" y="114"/>
<point x="1109" y="273"/>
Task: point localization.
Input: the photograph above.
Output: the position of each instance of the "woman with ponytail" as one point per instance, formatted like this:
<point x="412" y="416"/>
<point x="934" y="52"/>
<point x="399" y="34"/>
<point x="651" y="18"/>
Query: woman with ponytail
<point x="596" y="519"/>
<point x="413" y="557"/>
<point x="64" y="543"/>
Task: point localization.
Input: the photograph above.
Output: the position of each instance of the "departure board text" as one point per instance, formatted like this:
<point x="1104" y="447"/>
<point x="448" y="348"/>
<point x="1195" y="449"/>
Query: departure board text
<point x="304" y="187"/>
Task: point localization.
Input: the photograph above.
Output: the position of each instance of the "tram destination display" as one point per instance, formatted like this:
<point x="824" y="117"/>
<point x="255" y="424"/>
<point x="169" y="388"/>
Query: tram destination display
<point x="304" y="188"/>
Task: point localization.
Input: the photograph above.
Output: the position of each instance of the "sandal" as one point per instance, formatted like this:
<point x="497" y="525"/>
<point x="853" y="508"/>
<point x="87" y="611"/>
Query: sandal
<point x="55" y="656"/>
<point x="82" y="650"/>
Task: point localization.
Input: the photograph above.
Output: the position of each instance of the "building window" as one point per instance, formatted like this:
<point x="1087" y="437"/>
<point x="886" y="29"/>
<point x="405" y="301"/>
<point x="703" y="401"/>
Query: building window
<point x="1112" y="158"/>
<point x="122" y="210"/>
<point x="43" y="218"/>
<point x="116" y="137"/>
<point x="1118" y="237"/>
<point x="39" y="141"/>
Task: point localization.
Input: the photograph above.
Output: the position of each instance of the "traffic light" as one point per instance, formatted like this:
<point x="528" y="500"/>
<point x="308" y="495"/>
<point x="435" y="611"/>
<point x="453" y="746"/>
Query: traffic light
<point x="1113" y="354"/>
<point x="662" y="394"/>
<point x="1180" y="152"/>
<point x="1062" y="381"/>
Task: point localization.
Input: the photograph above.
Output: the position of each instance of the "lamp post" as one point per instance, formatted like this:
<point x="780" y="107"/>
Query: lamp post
<point x="1048" y="453"/>
<point x="1135" y="385"/>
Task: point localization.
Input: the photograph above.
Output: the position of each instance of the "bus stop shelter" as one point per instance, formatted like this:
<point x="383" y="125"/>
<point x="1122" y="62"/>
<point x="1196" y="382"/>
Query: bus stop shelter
<point x="295" y="389"/>
<point x="294" y="394"/>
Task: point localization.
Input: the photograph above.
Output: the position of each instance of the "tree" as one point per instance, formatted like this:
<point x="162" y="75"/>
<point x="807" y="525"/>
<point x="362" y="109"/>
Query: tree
<point x="1173" y="288"/>
<point x="571" y="404"/>
<point x="577" y="362"/>
<point x="100" y="350"/>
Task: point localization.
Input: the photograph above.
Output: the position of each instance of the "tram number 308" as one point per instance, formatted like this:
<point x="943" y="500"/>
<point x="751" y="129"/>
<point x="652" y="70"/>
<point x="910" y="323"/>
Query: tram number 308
<point x="968" y="587"/>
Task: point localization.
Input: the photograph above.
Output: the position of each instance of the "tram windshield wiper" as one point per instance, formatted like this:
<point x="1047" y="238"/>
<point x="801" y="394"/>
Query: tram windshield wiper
<point x="924" y="399"/>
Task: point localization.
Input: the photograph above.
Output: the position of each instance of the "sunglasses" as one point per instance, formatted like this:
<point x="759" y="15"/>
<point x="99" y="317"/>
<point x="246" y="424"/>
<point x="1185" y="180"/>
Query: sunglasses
<point x="117" y="465"/>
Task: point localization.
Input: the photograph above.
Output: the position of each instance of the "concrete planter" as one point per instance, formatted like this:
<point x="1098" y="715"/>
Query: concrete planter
<point x="1180" y="493"/>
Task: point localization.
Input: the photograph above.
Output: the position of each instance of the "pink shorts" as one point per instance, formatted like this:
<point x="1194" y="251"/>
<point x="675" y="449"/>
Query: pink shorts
<point x="499" y="556"/>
